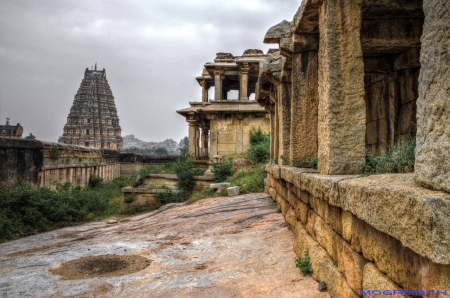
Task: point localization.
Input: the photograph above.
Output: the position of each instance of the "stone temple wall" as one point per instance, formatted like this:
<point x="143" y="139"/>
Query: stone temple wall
<point x="352" y="75"/>
<point x="380" y="232"/>
<point x="230" y="133"/>
<point x="43" y="163"/>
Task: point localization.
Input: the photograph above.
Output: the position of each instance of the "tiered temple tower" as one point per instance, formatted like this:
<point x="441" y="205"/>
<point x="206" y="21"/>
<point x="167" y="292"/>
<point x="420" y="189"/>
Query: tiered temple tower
<point x="93" y="120"/>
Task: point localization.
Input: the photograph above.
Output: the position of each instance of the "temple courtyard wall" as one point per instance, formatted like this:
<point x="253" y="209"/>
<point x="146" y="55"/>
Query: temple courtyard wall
<point x="230" y="133"/>
<point x="381" y="232"/>
<point x="44" y="163"/>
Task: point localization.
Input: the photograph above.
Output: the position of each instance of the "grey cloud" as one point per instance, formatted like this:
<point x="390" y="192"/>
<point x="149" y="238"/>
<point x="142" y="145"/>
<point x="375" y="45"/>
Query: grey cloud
<point x="152" y="51"/>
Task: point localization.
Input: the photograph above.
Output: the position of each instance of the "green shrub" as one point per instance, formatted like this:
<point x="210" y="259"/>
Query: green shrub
<point x="161" y="150"/>
<point x="94" y="181"/>
<point x="222" y="170"/>
<point x="26" y="210"/>
<point x="130" y="199"/>
<point x="249" y="180"/>
<point x="398" y="158"/>
<point x="200" y="195"/>
<point x="168" y="196"/>
<point x="54" y="153"/>
<point x="185" y="171"/>
<point x="306" y="163"/>
<point x="304" y="264"/>
<point x="259" y="151"/>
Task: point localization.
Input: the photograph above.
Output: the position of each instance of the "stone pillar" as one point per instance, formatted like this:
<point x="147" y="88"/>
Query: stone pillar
<point x="275" y="136"/>
<point x="205" y="139"/>
<point x="432" y="168"/>
<point x="213" y="137"/>
<point x="193" y="137"/>
<point x="243" y="86"/>
<point x="342" y="112"/>
<point x="272" y="131"/>
<point x="218" y="85"/>
<point x="205" y="88"/>
<point x="284" y="120"/>
<point x="304" y="105"/>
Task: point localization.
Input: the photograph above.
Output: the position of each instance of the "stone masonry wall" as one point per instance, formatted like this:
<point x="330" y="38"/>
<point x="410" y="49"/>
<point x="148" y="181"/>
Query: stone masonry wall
<point x="34" y="161"/>
<point x="230" y="133"/>
<point x="366" y="233"/>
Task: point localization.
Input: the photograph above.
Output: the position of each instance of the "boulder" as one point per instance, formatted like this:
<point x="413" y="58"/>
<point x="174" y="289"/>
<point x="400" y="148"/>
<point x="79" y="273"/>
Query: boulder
<point x="233" y="191"/>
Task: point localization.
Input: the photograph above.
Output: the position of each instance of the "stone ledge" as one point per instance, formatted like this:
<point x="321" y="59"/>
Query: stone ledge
<point x="393" y="204"/>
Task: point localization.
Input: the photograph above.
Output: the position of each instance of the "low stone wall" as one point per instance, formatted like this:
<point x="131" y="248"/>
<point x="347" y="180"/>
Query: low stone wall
<point x="144" y="195"/>
<point x="382" y="232"/>
<point x="43" y="163"/>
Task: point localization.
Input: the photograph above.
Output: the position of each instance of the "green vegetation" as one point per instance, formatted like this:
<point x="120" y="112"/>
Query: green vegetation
<point x="200" y="195"/>
<point x="304" y="264"/>
<point x="259" y="151"/>
<point x="94" y="181"/>
<point x="306" y="163"/>
<point x="285" y="160"/>
<point x="184" y="168"/>
<point x="249" y="180"/>
<point x="222" y="170"/>
<point x="54" y="153"/>
<point x="27" y="210"/>
<point x="398" y="158"/>
<point x="161" y="150"/>
<point x="158" y="150"/>
<point x="169" y="196"/>
<point x="278" y="209"/>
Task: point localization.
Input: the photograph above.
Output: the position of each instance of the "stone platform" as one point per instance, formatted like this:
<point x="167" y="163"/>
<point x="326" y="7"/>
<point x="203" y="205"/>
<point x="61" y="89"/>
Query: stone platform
<point x="220" y="247"/>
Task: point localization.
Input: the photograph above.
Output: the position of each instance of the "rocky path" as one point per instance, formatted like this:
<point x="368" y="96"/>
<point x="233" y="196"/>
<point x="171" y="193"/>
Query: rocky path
<point x="219" y="247"/>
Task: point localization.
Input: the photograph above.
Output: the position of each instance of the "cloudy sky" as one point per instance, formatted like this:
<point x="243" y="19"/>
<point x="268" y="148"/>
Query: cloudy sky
<point x="152" y="51"/>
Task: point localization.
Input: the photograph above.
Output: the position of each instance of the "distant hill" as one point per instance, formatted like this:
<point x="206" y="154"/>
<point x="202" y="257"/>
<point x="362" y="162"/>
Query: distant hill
<point x="133" y="144"/>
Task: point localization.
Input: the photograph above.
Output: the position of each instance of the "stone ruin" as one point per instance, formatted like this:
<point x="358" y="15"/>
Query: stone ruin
<point x="342" y="84"/>
<point x="351" y="76"/>
<point x="225" y="123"/>
<point x="11" y="131"/>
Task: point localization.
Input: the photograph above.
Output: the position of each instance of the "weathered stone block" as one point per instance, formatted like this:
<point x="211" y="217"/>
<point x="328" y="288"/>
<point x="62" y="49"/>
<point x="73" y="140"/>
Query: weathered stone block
<point x="400" y="263"/>
<point x="395" y="205"/>
<point x="272" y="193"/>
<point x="347" y="224"/>
<point x="342" y="110"/>
<point x="275" y="33"/>
<point x="432" y="167"/>
<point x="323" y="267"/>
<point x="349" y="262"/>
<point x="219" y="185"/>
<point x="233" y="191"/>
<point x="351" y="265"/>
<point x="373" y="279"/>
<point x="331" y="214"/>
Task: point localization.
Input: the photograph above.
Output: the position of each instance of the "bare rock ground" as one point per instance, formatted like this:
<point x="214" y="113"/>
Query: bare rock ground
<point x="219" y="247"/>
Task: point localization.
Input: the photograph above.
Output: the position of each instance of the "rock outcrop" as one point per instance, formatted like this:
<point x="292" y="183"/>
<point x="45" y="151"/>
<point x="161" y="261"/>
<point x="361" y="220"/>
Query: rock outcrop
<point x="220" y="247"/>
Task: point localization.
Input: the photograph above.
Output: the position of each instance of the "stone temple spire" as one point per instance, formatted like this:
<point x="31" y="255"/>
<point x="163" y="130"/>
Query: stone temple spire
<point x="93" y="120"/>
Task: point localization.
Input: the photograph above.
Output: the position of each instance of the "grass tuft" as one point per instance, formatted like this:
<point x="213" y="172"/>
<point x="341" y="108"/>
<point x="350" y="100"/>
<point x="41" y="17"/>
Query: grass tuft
<point x="398" y="158"/>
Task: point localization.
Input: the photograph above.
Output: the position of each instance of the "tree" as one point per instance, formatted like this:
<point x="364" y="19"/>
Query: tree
<point x="161" y="150"/>
<point x="184" y="146"/>
<point x="30" y="137"/>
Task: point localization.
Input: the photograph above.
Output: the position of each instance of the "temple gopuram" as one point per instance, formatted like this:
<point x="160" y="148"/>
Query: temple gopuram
<point x="93" y="120"/>
<point x="225" y="122"/>
<point x="11" y="131"/>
